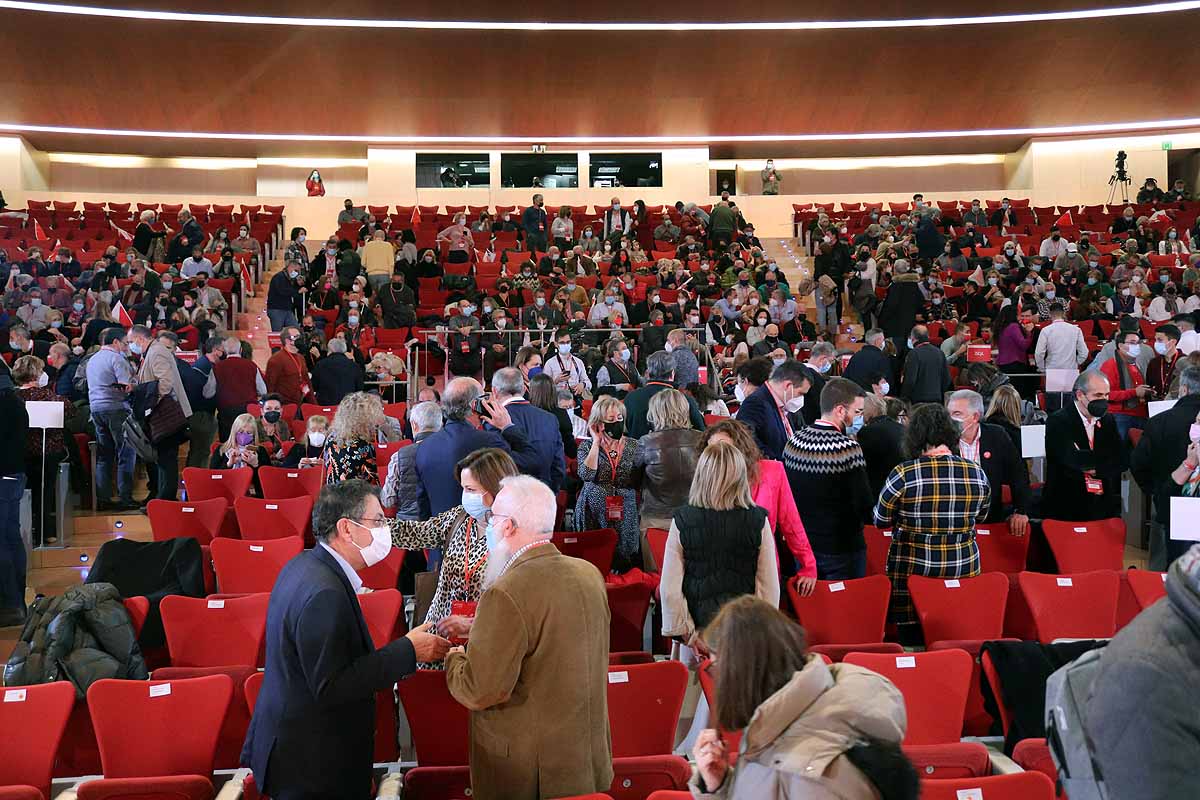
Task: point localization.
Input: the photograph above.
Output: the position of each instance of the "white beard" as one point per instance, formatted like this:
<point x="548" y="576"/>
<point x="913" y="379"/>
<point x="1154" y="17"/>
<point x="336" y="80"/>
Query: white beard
<point x="497" y="561"/>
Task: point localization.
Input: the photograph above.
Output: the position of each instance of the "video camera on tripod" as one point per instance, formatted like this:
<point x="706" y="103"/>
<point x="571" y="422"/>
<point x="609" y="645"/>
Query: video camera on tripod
<point x="1119" y="178"/>
<point x="1122" y="175"/>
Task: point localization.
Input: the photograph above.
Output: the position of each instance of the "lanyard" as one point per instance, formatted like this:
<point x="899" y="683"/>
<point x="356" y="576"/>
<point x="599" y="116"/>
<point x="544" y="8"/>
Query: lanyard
<point x="470" y="569"/>
<point x="614" y="458"/>
<point x="621" y="369"/>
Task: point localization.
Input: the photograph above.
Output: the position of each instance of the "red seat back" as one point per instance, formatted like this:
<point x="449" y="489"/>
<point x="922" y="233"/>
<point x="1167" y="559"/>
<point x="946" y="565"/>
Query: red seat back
<point x="214" y="633"/>
<point x="146" y="729"/>
<point x="312" y="409"/>
<point x="139" y="609"/>
<point x="843" y="612"/>
<point x="999" y="549"/>
<point x="835" y="653"/>
<point x="596" y="546"/>
<point x="249" y="567"/>
<point x="1017" y="786"/>
<point x="437" y="782"/>
<point x="283" y="482"/>
<point x="274" y="519"/>
<point x="657" y="538"/>
<point x="200" y="519"/>
<point x="639" y="777"/>
<point x="1148" y="586"/>
<point x="950" y="760"/>
<point x="33" y="719"/>
<point x="237" y="716"/>
<point x="935" y="685"/>
<point x="439" y="723"/>
<point x="960" y="608"/>
<point x="879" y="542"/>
<point x="381" y="610"/>
<point x="1086" y="546"/>
<point x="204" y="484"/>
<point x="1033" y="755"/>
<point x="627" y="605"/>
<point x="1079" y="606"/>
<point x="385" y="574"/>
<point x="251" y="689"/>
<point x="644" y="701"/>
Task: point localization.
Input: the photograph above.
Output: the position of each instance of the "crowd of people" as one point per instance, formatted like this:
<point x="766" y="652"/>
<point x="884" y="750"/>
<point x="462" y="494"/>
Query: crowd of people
<point x="590" y="410"/>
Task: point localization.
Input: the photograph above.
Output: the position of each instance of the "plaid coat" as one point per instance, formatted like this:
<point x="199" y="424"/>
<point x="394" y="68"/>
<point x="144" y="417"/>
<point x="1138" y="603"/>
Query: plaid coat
<point x="931" y="503"/>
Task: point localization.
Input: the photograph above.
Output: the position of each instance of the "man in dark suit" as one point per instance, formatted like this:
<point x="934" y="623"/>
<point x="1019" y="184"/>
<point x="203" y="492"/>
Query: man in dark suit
<point x="926" y="374"/>
<point x="1084" y="456"/>
<point x="660" y="374"/>
<point x="540" y="427"/>
<point x="465" y="408"/>
<point x="337" y="375"/>
<point x="313" y="731"/>
<point x="902" y="304"/>
<point x="1162" y="448"/>
<point x="765" y="410"/>
<point x="870" y="362"/>
<point x="990" y="447"/>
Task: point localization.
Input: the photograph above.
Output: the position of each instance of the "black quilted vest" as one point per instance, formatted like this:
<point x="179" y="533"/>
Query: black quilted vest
<point x="720" y="556"/>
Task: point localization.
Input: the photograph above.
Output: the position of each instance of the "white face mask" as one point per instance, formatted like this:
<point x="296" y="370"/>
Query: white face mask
<point x="380" y="546"/>
<point x="43" y="379"/>
<point x="884" y="388"/>
<point x="739" y="393"/>
<point x="316" y="438"/>
<point x="795" y="404"/>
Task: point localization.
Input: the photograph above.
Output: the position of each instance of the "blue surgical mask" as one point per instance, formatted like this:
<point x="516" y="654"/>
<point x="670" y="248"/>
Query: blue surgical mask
<point x="77" y="306"/>
<point x="856" y="425"/>
<point x="472" y="503"/>
<point x="135" y="348"/>
<point x="1091" y="281"/>
<point x="1160" y="348"/>
<point x="535" y="371"/>
<point x="492" y="537"/>
<point x="911" y="344"/>
<point x="1164" y="278"/>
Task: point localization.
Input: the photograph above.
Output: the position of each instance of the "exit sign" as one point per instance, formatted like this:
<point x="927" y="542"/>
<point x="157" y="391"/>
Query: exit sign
<point x="1167" y="145"/>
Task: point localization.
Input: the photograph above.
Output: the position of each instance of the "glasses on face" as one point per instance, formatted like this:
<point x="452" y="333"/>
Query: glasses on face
<point x="373" y="522"/>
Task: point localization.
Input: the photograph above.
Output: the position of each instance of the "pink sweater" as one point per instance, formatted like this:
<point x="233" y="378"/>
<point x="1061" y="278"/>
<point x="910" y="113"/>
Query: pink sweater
<point x="775" y="495"/>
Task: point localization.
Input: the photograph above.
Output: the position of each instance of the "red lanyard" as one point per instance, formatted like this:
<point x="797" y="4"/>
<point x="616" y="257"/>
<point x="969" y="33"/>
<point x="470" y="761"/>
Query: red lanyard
<point x="470" y="569"/>
<point x="614" y="459"/>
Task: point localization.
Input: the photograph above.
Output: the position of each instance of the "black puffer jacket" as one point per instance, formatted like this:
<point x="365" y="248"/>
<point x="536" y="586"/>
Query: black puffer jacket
<point x="82" y="635"/>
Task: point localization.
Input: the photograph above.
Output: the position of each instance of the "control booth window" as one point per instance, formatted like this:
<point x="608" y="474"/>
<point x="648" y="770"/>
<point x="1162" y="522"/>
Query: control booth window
<point x="610" y="170"/>
<point x="453" y="170"/>
<point x="540" y="170"/>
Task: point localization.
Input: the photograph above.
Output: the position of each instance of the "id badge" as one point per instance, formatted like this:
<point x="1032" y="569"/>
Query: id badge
<point x="614" y="508"/>
<point x="462" y="608"/>
<point x="466" y="346"/>
<point x="1093" y="485"/>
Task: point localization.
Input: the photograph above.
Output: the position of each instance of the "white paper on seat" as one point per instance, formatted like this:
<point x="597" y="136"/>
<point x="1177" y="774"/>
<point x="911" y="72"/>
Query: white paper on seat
<point x="293" y="474"/>
<point x="1061" y="380"/>
<point x="1080" y="530"/>
<point x="45" y="413"/>
<point x="272" y="507"/>
<point x="906" y="662"/>
<point x="983" y="532"/>
<point x="953" y="583"/>
<point x="216" y="603"/>
<point x="14" y="696"/>
<point x="1033" y="441"/>
<point x="570" y="541"/>
<point x="1159" y="406"/>
<point x="188" y="510"/>
<point x="256" y="548"/>
<point x="618" y="677"/>
<point x="837" y="587"/>
<point x="160" y="690"/>
<point x="1185" y="519"/>
<point x="1065" y="582"/>
<point x="974" y="793"/>
<point x="217" y="477"/>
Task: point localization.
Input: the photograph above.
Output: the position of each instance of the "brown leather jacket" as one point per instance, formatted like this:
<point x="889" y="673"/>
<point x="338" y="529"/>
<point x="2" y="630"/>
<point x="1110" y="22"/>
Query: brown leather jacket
<point x="666" y="461"/>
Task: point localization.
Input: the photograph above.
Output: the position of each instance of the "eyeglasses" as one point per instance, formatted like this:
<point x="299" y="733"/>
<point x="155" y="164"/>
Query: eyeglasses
<point x="373" y="522"/>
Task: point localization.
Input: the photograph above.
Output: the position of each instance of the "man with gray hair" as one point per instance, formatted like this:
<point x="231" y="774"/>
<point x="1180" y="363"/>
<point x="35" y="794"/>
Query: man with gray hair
<point x="870" y="362"/>
<point x="239" y="383"/>
<point x="401" y="489"/>
<point x="660" y="375"/>
<point x="465" y="409"/>
<point x="990" y="447"/>
<point x="336" y="375"/>
<point x="767" y="410"/>
<point x="539" y="651"/>
<point x="686" y="365"/>
<point x="1167" y="443"/>
<point x="1085" y="457"/>
<point x="820" y="362"/>
<point x="539" y="426"/>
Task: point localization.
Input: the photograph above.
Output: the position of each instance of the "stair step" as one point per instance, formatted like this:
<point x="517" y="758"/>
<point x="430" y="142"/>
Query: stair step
<point x="111" y="523"/>
<point x="53" y="580"/>
<point x="97" y="539"/>
<point x="63" y="557"/>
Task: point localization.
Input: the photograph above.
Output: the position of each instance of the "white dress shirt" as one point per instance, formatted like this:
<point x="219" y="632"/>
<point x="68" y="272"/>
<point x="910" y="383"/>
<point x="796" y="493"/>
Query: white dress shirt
<point x="355" y="582"/>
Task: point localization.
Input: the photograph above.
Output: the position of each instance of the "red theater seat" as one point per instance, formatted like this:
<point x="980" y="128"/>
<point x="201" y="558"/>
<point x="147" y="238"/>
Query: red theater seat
<point x="247" y="567"/>
<point x="644" y="701"/>
<point x="843" y="612"/>
<point x="214" y="633"/>
<point x="33" y="719"/>
<point x="1080" y="606"/>
<point x="1018" y="786"/>
<point x="935" y="686"/>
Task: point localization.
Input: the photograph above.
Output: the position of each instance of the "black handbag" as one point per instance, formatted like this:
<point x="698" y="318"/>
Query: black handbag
<point x="166" y="420"/>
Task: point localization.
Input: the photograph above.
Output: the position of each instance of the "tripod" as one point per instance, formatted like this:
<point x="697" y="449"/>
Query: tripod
<point x="1122" y="179"/>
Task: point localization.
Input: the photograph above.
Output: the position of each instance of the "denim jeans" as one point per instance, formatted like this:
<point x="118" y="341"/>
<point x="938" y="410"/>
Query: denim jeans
<point x="12" y="549"/>
<point x="1126" y="422"/>
<point x="827" y="315"/>
<point x="111" y="447"/>
<point x="280" y="317"/>
<point x="841" y="566"/>
<point x="379" y="282"/>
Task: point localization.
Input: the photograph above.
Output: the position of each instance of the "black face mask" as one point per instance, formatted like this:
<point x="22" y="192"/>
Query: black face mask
<point x="271" y="416"/>
<point x="614" y="430"/>
<point x="1097" y="408"/>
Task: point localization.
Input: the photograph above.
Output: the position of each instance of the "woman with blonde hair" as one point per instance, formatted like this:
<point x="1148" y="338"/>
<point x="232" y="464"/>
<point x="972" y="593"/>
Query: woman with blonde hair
<point x="461" y="534"/>
<point x="1005" y="411"/>
<point x="608" y="497"/>
<point x="666" y="458"/>
<point x="350" y="449"/>
<point x="719" y="547"/>
<point x="242" y="450"/>
<point x="771" y="491"/>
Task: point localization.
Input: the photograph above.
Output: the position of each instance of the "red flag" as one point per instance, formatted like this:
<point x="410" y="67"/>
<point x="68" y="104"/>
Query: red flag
<point x="122" y="316"/>
<point x="38" y="233"/>
<point x="247" y="283"/>
<point x="1065" y="221"/>
<point x="416" y="216"/>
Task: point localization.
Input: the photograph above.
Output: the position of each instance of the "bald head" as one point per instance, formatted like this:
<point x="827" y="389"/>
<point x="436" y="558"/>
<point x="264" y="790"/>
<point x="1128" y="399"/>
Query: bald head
<point x="460" y="394"/>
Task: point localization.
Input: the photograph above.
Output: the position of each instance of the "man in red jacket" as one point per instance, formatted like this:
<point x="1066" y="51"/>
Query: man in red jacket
<point x="287" y="374"/>
<point x="239" y="383"/>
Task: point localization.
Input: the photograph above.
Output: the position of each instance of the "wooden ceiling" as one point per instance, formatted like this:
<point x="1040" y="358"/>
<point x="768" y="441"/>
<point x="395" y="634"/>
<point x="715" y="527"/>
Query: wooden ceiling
<point x="141" y="74"/>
